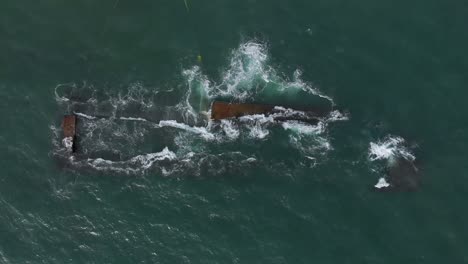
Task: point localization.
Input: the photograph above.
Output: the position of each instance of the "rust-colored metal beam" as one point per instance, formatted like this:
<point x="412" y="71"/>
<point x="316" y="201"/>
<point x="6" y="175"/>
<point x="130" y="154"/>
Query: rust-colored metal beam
<point x="223" y="110"/>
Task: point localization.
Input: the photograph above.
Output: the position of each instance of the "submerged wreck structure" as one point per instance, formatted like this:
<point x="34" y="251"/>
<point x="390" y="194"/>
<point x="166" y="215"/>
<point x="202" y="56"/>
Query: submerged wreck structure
<point x="400" y="175"/>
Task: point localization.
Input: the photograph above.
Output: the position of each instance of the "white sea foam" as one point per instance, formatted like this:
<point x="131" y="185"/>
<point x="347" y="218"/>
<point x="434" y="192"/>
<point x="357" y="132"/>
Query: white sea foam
<point x="389" y="148"/>
<point x="298" y="82"/>
<point x="147" y="160"/>
<point x="4" y="259"/>
<point x="136" y="93"/>
<point x="280" y="108"/>
<point x="133" y="119"/>
<point x="68" y="143"/>
<point x="248" y="75"/>
<point x="230" y="129"/>
<point x="303" y="128"/>
<point x="288" y="112"/>
<point x="85" y="116"/>
<point x="251" y="159"/>
<point x="382" y="183"/>
<point x="100" y="162"/>
<point x="58" y="98"/>
<point x="248" y="64"/>
<point x="310" y="145"/>
<point x="198" y="87"/>
<point x="257" y="131"/>
<point x="197" y="130"/>
<point x="260" y="118"/>
<point x="257" y="125"/>
<point x="310" y="139"/>
<point x="139" y="163"/>
<point x="336" y="115"/>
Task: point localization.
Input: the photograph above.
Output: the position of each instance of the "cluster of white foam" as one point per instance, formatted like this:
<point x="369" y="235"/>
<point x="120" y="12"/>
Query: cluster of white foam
<point x="310" y="139"/>
<point x="147" y="160"/>
<point x="68" y="143"/>
<point x="85" y="116"/>
<point x="127" y="118"/>
<point x="85" y="95"/>
<point x="298" y="82"/>
<point x="202" y="131"/>
<point x="62" y="146"/>
<point x="336" y="115"/>
<point x="257" y="131"/>
<point x="259" y="118"/>
<point x="382" y="183"/>
<point x="230" y="129"/>
<point x="139" y="163"/>
<point x="198" y="86"/>
<point x="58" y="98"/>
<point x="257" y="125"/>
<point x="133" y="119"/>
<point x="248" y="64"/>
<point x="389" y="148"/>
<point x="289" y="113"/>
<point x="303" y="128"/>
<point x="248" y="74"/>
<point x="136" y="93"/>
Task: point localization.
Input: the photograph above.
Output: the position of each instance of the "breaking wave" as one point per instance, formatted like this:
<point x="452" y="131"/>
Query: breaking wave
<point x="248" y="77"/>
<point x="138" y="163"/>
<point x="202" y="131"/>
<point x="390" y="148"/>
<point x="117" y="125"/>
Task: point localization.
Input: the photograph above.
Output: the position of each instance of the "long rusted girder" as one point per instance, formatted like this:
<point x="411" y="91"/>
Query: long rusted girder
<point x="224" y="110"/>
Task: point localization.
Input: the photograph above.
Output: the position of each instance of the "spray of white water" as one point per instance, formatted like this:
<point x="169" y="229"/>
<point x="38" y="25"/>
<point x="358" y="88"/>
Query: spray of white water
<point x="389" y="148"/>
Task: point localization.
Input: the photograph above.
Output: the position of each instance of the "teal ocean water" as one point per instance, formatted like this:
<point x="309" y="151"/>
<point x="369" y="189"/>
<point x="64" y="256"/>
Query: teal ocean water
<point x="155" y="181"/>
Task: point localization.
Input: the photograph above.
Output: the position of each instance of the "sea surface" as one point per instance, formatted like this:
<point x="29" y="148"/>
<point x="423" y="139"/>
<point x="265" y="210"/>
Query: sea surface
<point x="154" y="180"/>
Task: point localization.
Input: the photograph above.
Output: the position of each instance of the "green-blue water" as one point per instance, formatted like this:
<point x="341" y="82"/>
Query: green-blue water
<point x="240" y="192"/>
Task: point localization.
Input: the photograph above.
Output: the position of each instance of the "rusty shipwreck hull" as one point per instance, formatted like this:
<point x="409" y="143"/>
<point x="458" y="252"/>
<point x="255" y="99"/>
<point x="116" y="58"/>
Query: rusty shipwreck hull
<point x="219" y="110"/>
<point x="224" y="110"/>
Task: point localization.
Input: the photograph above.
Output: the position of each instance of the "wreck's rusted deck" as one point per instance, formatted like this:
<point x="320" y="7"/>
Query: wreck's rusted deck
<point x="69" y="130"/>
<point x="222" y="110"/>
